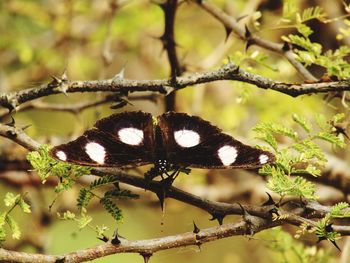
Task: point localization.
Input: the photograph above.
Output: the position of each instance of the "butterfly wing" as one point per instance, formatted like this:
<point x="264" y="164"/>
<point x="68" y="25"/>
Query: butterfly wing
<point x="193" y="142"/>
<point x="124" y="139"/>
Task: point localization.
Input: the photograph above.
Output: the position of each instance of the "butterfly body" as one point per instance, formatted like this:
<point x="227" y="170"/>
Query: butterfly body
<point x="173" y="141"/>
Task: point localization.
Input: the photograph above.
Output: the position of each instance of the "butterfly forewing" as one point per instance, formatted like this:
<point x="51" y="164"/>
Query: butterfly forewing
<point x="120" y="140"/>
<point x="193" y="142"/>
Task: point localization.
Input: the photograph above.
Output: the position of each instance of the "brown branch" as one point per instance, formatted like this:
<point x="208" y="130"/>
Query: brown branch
<point x="168" y="39"/>
<point x="17" y="135"/>
<point x="148" y="246"/>
<point x="230" y="23"/>
<point x="257" y="218"/>
<point x="75" y="108"/>
<point x="226" y="72"/>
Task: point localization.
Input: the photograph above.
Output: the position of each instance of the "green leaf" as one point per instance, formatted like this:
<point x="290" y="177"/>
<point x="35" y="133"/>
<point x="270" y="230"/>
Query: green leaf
<point x="337" y="210"/>
<point x="83" y="220"/>
<point x="105" y="180"/>
<point x="323" y="123"/>
<point x="313" y="13"/>
<point x="338" y="117"/>
<point x="119" y="193"/>
<point x="45" y="166"/>
<point x="68" y="215"/>
<point x="84" y="198"/>
<point x="304" y="30"/>
<point x="112" y="208"/>
<point x="332" y="138"/>
<point x="16" y="233"/>
<point x="265" y="128"/>
<point x="2" y="219"/>
<point x="302" y="122"/>
<point x="100" y="230"/>
<point x="11" y="199"/>
<point x="290" y="8"/>
<point x="24" y="206"/>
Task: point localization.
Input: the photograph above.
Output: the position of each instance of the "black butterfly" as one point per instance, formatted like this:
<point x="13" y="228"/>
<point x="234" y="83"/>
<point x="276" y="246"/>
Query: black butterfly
<point x="171" y="142"/>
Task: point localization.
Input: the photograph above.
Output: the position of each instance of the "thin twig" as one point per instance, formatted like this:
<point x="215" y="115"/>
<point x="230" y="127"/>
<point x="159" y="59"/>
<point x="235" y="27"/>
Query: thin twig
<point x="231" y="23"/>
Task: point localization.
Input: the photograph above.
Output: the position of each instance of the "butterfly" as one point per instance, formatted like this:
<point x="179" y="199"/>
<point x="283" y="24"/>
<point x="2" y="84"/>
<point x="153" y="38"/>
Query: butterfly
<point x="171" y="142"/>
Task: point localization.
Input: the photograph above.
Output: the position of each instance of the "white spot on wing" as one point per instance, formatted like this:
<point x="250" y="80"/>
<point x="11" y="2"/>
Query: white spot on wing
<point x="263" y="158"/>
<point x="186" y="138"/>
<point x="227" y="154"/>
<point x="61" y="155"/>
<point x="131" y="136"/>
<point x="96" y="152"/>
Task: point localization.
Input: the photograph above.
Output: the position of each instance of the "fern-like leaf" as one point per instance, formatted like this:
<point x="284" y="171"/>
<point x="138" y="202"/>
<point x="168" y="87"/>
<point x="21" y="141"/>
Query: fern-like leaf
<point x="102" y="181"/>
<point x="84" y="198"/>
<point x="112" y="208"/>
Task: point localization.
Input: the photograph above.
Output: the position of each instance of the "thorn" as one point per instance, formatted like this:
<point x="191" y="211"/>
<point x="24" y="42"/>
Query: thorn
<point x="336" y="245"/>
<point x="165" y="184"/>
<point x="115" y="240"/>
<point x="329" y="227"/>
<point x="247" y="33"/>
<point x="286" y="46"/>
<point x="61" y="83"/>
<point x="248" y="44"/>
<point x="248" y="220"/>
<point x="64" y="76"/>
<point x="195" y="228"/>
<point x="12" y="123"/>
<point x="332" y="241"/>
<point x="120" y="104"/>
<point x="120" y="75"/>
<point x="274" y="211"/>
<point x="270" y="200"/>
<point x="55" y="82"/>
<point x="228" y="32"/>
<point x="167" y="90"/>
<point x="26" y="126"/>
<point x="11" y="134"/>
<point x="103" y="238"/>
<point x="161" y="198"/>
<point x="244" y="212"/>
<point x="60" y="260"/>
<point x="218" y="217"/>
<point x="146" y="256"/>
<point x="199" y="245"/>
<point x="236" y="70"/>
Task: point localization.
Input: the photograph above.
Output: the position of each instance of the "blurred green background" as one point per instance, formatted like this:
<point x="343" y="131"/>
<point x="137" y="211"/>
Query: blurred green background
<point x="92" y="41"/>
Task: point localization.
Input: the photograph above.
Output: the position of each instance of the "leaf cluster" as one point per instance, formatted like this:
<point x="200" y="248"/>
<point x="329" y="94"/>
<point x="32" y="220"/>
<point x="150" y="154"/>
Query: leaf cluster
<point x="309" y="52"/>
<point x="12" y="201"/>
<point x="86" y="195"/>
<point x="290" y="250"/>
<point x="302" y="156"/>
<point x="324" y="228"/>
<point x="45" y="166"/>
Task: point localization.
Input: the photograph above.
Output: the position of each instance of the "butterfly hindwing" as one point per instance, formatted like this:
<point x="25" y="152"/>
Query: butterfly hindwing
<point x="193" y="142"/>
<point x="124" y="139"/>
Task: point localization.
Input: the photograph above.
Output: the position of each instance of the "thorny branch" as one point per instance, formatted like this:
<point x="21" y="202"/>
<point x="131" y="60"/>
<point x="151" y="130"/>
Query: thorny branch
<point x="232" y="25"/>
<point x="259" y="217"/>
<point x="124" y="86"/>
<point x="76" y="108"/>
<point x="168" y="39"/>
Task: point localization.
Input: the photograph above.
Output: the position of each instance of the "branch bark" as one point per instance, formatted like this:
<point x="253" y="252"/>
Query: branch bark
<point x="124" y="86"/>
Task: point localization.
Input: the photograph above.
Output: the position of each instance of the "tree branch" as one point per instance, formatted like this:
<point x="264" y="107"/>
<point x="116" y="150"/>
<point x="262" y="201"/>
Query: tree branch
<point x="226" y="72"/>
<point x="230" y="23"/>
<point x="75" y="108"/>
